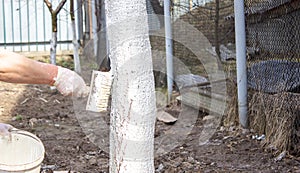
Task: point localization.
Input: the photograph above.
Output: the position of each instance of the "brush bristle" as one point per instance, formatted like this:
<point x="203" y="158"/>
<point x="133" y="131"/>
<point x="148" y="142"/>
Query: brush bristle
<point x="99" y="97"/>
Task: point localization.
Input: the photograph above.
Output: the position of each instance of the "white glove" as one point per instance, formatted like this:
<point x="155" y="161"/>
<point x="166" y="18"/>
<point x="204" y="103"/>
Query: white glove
<point x="5" y="129"/>
<point x="69" y="83"/>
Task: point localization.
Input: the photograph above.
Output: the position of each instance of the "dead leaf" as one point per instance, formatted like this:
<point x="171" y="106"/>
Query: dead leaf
<point x="165" y="117"/>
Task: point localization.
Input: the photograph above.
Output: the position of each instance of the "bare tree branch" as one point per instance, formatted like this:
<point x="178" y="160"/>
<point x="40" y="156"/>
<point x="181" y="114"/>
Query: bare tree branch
<point x="194" y="15"/>
<point x="60" y="6"/>
<point x="49" y="5"/>
<point x="54" y="28"/>
<point x="158" y="9"/>
<point x="54" y="13"/>
<point x="72" y="15"/>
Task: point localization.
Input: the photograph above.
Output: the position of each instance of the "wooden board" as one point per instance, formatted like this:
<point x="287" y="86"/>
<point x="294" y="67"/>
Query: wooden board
<point x="204" y="100"/>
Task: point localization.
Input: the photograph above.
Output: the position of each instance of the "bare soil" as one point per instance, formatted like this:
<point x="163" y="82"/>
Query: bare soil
<point x="49" y="115"/>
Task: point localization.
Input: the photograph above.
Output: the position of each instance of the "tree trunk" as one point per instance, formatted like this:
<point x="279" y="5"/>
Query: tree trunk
<point x="75" y="43"/>
<point x="98" y="7"/>
<point x="158" y="9"/>
<point x="133" y="99"/>
<point x="80" y="20"/>
<point x="54" y="14"/>
<point x="86" y="36"/>
<point x="217" y="43"/>
<point x="53" y="43"/>
<point x="102" y="58"/>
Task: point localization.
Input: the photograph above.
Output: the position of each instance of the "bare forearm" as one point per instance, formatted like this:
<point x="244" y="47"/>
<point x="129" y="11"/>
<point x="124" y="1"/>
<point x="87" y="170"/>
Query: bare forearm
<point x="15" y="68"/>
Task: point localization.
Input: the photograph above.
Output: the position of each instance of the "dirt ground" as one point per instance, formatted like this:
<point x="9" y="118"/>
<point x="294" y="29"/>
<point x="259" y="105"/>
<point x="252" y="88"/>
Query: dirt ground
<point x="50" y="116"/>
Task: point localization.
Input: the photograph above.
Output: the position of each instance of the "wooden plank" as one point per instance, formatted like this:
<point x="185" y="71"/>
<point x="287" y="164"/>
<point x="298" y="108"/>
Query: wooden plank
<point x="203" y="100"/>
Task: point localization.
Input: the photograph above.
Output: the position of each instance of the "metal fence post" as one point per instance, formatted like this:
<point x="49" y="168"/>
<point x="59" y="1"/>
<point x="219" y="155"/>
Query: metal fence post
<point x="169" y="48"/>
<point x="240" y="37"/>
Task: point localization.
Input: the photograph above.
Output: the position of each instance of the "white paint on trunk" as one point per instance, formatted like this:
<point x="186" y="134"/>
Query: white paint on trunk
<point x="53" y="48"/>
<point x="133" y="94"/>
<point x="75" y="49"/>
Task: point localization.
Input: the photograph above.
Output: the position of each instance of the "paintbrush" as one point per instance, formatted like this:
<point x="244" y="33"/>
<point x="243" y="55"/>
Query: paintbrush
<point x="100" y="91"/>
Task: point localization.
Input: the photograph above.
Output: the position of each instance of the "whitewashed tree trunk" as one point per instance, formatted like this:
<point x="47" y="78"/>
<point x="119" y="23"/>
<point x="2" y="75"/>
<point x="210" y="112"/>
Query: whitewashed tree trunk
<point x="54" y="14"/>
<point x="53" y="43"/>
<point x="75" y="43"/>
<point x="133" y="108"/>
<point x="75" y="50"/>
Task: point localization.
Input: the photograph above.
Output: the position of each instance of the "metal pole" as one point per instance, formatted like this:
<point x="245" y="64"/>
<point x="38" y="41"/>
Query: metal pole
<point x="67" y="27"/>
<point x="4" y="27"/>
<point x="169" y="48"/>
<point x="20" y="24"/>
<point x="12" y="24"/>
<point x="94" y="26"/>
<point x="44" y="25"/>
<point x="36" y="27"/>
<point x="240" y="41"/>
<point x="28" y="23"/>
<point x="59" y="31"/>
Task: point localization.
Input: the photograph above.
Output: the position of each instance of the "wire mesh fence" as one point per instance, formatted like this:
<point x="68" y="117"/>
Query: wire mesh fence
<point x="273" y="39"/>
<point x="273" y="43"/>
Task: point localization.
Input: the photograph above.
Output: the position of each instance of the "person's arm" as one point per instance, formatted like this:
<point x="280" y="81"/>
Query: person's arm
<point x="15" y="68"/>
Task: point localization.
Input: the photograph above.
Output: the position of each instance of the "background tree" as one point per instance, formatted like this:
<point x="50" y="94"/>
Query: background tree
<point x="217" y="18"/>
<point x="133" y="98"/>
<point x="101" y="46"/>
<point x="54" y="14"/>
<point x="158" y="9"/>
<point x="80" y="20"/>
<point x="75" y="42"/>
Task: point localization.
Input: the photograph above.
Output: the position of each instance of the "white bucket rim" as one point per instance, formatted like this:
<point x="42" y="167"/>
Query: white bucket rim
<point x="26" y="166"/>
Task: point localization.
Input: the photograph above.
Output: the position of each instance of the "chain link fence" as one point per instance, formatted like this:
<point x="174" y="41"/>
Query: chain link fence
<point x="273" y="63"/>
<point x="273" y="49"/>
<point x="273" y="41"/>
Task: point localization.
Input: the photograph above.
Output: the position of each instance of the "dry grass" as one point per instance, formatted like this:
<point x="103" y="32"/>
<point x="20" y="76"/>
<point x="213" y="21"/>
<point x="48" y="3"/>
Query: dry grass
<point x="276" y="116"/>
<point x="231" y="117"/>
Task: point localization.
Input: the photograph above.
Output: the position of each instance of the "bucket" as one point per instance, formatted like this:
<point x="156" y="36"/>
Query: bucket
<point x="22" y="152"/>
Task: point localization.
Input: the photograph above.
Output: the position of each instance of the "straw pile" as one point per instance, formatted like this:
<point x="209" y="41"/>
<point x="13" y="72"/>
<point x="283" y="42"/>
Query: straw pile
<point x="231" y="117"/>
<point x="278" y="117"/>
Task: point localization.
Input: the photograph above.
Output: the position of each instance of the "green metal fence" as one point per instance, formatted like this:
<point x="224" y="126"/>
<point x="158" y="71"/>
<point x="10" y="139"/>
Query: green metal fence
<point x="25" y="25"/>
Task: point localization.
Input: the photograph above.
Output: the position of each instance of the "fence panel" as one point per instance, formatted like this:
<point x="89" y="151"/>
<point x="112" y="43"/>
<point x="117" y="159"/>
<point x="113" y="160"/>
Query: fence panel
<point x="273" y="32"/>
<point x="26" y="26"/>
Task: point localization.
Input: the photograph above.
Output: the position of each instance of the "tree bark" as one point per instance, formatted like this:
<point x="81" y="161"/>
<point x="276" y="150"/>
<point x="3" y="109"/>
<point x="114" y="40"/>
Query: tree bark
<point x="80" y="20"/>
<point x="54" y="14"/>
<point x="86" y="35"/>
<point x="158" y="9"/>
<point x="75" y="42"/>
<point x="102" y="49"/>
<point x="133" y="98"/>
<point x="98" y="7"/>
<point x="217" y="43"/>
<point x="53" y="44"/>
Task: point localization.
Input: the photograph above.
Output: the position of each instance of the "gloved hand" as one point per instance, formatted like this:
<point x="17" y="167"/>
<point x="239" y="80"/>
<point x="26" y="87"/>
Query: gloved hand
<point x="69" y="83"/>
<point x="5" y="129"/>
